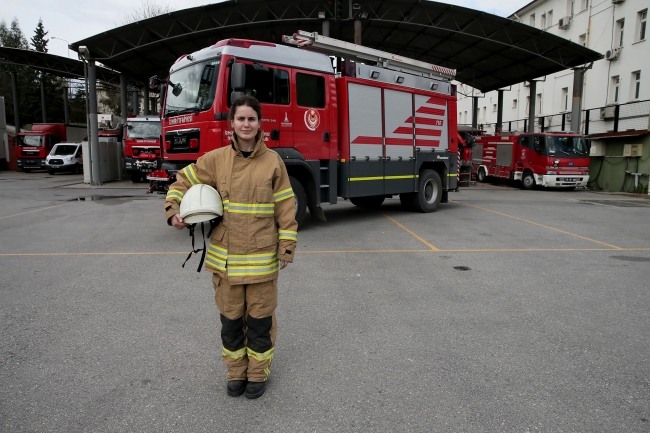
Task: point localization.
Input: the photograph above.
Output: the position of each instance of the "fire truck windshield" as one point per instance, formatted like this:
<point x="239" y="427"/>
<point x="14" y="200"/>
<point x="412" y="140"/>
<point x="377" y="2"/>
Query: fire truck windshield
<point x="566" y="147"/>
<point x="31" y="141"/>
<point x="143" y="130"/>
<point x="192" y="89"/>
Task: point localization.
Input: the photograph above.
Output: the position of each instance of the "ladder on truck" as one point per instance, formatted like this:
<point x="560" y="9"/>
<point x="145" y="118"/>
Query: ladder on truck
<point x="358" y="53"/>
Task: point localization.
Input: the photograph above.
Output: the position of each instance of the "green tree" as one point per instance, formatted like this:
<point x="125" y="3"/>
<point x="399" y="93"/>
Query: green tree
<point x="12" y="37"/>
<point x="38" y="40"/>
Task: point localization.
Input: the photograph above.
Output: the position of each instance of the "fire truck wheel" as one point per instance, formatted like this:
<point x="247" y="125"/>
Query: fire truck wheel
<point x="429" y="192"/>
<point x="370" y="201"/>
<point x="480" y="175"/>
<point x="136" y="177"/>
<point x="300" y="199"/>
<point x="527" y="180"/>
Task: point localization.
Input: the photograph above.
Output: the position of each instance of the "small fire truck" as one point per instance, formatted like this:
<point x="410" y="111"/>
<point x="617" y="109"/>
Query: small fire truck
<point x="384" y="125"/>
<point x="141" y="146"/>
<point x="548" y="159"/>
<point x="35" y="145"/>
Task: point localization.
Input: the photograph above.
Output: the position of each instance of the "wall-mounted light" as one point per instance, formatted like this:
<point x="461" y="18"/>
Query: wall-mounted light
<point x="399" y="79"/>
<point x="356" y="6"/>
<point x="374" y="74"/>
<point x="321" y="15"/>
<point x="434" y="86"/>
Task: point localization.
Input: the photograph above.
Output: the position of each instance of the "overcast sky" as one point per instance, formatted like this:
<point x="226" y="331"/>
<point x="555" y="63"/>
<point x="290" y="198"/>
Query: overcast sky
<point x="74" y="20"/>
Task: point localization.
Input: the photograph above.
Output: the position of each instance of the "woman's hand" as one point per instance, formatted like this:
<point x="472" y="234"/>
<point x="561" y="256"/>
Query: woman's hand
<point x="283" y="264"/>
<point x="177" y="222"/>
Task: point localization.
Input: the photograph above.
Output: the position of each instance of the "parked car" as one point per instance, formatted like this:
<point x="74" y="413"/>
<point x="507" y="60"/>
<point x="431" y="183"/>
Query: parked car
<point x="65" y="157"/>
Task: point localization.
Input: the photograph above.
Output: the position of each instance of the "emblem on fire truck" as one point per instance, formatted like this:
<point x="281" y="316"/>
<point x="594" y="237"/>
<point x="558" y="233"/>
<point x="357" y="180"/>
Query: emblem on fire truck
<point x="312" y="119"/>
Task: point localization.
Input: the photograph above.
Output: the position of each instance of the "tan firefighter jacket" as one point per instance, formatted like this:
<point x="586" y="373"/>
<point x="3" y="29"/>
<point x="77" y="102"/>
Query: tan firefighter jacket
<point x="258" y="227"/>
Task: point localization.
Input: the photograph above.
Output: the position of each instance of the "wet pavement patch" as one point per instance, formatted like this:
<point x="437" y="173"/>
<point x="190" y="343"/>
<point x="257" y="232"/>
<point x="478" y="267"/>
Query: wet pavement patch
<point x="631" y="258"/>
<point x="462" y="268"/>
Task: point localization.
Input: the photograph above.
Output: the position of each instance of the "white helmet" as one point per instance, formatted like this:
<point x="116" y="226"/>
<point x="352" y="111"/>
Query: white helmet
<point x="201" y="203"/>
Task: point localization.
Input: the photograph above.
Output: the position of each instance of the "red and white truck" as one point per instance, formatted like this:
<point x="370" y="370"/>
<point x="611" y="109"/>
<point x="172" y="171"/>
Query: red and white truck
<point x="380" y="128"/>
<point x="548" y="159"/>
<point x="35" y="145"/>
<point x="141" y="146"/>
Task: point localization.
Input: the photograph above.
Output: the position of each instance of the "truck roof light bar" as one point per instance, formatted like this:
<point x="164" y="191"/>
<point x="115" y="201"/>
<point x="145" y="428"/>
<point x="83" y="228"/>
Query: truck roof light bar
<point x="334" y="47"/>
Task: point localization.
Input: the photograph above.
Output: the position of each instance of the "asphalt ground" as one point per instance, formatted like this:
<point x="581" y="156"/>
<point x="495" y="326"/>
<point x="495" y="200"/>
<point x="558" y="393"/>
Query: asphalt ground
<point x="504" y="311"/>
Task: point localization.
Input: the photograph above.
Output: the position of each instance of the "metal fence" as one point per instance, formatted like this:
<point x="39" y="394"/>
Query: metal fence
<point x="632" y="116"/>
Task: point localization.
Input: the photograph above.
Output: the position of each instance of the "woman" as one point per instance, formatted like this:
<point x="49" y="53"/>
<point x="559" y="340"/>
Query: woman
<point x="255" y="239"/>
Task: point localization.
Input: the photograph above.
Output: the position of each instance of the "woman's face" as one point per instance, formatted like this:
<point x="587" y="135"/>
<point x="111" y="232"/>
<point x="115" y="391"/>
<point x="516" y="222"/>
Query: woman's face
<point x="246" y="123"/>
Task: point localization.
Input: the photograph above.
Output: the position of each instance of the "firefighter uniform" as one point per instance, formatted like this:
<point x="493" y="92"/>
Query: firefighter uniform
<point x="257" y="230"/>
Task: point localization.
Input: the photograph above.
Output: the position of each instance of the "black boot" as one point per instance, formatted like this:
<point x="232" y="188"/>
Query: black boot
<point x="255" y="389"/>
<point x="236" y="388"/>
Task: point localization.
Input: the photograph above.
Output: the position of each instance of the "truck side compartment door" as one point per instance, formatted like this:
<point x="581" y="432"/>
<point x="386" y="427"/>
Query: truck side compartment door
<point x="399" y="142"/>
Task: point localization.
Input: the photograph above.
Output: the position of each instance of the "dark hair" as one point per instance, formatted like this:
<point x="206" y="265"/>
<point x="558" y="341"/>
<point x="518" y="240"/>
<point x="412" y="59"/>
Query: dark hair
<point x="247" y="101"/>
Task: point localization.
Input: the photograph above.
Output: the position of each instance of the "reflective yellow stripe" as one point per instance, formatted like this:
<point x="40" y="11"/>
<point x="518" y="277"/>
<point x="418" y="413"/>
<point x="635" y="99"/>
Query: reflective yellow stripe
<point x="256" y="208"/>
<point x="217" y="257"/>
<point x="190" y="175"/>
<point x="251" y="259"/>
<point x="454" y="174"/>
<point x="236" y="354"/>
<point x="409" y="176"/>
<point x="246" y="271"/>
<point x="174" y="193"/>
<point x="283" y="195"/>
<point x="268" y="355"/>
<point x="288" y="235"/>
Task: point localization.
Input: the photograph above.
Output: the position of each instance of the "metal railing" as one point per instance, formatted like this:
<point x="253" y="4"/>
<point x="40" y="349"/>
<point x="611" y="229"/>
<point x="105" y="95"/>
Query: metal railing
<point x="631" y="116"/>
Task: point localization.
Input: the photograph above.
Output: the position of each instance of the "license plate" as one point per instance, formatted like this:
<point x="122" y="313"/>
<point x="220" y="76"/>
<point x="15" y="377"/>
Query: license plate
<point x="569" y="179"/>
<point x="146" y="170"/>
<point x="180" y="141"/>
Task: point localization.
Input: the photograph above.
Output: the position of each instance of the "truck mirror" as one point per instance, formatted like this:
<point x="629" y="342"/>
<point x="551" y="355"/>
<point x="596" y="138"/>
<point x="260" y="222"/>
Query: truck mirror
<point x="238" y="76"/>
<point x="176" y="89"/>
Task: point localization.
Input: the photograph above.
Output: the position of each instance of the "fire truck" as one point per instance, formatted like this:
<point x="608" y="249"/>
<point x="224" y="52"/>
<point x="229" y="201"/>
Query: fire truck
<point x="547" y="159"/>
<point x="141" y="146"/>
<point x="35" y="145"/>
<point x="384" y="125"/>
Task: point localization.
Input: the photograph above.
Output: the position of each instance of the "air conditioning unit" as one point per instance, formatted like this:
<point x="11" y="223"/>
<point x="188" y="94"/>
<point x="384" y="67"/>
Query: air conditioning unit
<point x="597" y="148"/>
<point x="613" y="53"/>
<point x="608" y="112"/>
<point x="564" y="23"/>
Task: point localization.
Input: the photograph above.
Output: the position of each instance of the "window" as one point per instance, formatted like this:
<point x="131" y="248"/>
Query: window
<point x="268" y="85"/>
<point x="514" y="103"/>
<point x="642" y="18"/>
<point x="614" y="89"/>
<point x="569" y="7"/>
<point x="620" y="26"/>
<point x="565" y="98"/>
<point x="532" y="20"/>
<point x="484" y="114"/>
<point x="192" y="89"/>
<point x="549" y="18"/>
<point x="465" y="117"/>
<point x="542" y="21"/>
<point x="636" y="85"/>
<point x="494" y="108"/>
<point x="582" y="40"/>
<point x="584" y="4"/>
<point x="310" y="90"/>
<point x="539" y="103"/>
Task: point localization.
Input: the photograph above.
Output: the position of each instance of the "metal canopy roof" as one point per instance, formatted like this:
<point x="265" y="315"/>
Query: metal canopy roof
<point x="60" y="66"/>
<point x="488" y="52"/>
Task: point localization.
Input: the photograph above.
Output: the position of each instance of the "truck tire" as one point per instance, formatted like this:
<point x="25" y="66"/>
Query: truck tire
<point x="372" y="201"/>
<point x="481" y="175"/>
<point x="528" y="181"/>
<point x="136" y="177"/>
<point x="300" y="199"/>
<point x="77" y="169"/>
<point x="429" y="192"/>
<point x="50" y="171"/>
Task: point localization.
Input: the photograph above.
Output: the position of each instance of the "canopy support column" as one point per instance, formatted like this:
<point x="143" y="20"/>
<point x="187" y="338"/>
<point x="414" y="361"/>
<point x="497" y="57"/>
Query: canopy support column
<point x="43" y="106"/>
<point x="474" y="113"/>
<point x="14" y="85"/>
<point x="576" y="103"/>
<point x="94" y="129"/>
<point x="145" y="100"/>
<point x="499" y="126"/>
<point x="531" y="106"/>
<point x="123" y="104"/>
<point x="66" y="105"/>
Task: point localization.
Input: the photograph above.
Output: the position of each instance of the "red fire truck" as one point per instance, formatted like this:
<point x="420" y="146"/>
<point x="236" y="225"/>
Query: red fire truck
<point x="35" y="145"/>
<point x="374" y="130"/>
<point x="141" y="146"/>
<point x="549" y="159"/>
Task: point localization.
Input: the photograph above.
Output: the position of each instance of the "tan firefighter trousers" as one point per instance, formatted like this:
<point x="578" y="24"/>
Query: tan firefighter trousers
<point x="248" y="327"/>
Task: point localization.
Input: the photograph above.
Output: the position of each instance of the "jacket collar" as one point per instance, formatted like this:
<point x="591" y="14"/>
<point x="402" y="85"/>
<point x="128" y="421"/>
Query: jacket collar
<point x="259" y="149"/>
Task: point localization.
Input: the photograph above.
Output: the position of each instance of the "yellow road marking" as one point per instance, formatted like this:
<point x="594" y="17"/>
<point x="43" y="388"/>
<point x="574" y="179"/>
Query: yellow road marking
<point x="35" y="210"/>
<point x="540" y="225"/>
<point x="487" y="250"/>
<point x="412" y="234"/>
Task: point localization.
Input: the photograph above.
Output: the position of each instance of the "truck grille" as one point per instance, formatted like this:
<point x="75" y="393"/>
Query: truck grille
<point x="56" y="162"/>
<point x="179" y="141"/>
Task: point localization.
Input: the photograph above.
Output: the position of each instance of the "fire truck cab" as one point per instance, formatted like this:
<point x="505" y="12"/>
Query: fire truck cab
<point x="141" y="146"/>
<point x="369" y="132"/>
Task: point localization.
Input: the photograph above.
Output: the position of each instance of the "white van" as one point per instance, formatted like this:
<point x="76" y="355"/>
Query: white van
<point x="65" y="157"/>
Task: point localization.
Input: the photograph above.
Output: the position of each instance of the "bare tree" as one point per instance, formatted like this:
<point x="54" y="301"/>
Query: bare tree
<point x="147" y="9"/>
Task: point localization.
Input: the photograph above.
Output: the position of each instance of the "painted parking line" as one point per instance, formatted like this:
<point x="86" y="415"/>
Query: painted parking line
<point x="433" y="248"/>
<point x="182" y="253"/>
<point x="614" y="247"/>
<point x="35" y="210"/>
